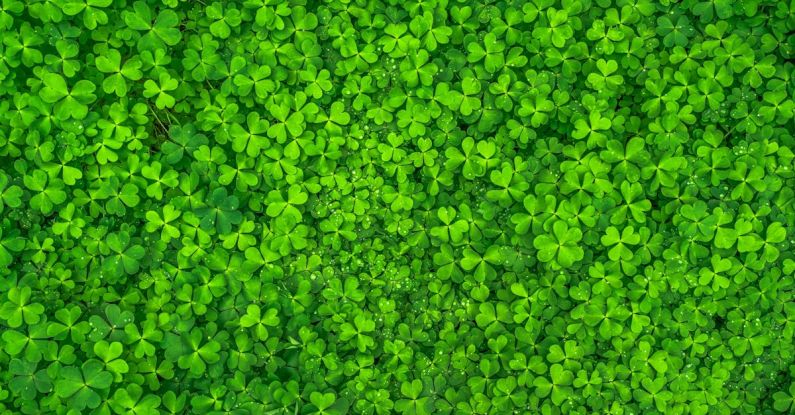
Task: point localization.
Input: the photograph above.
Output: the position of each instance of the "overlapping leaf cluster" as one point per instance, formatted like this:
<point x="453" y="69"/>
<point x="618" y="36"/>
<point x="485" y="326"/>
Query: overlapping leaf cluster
<point x="409" y="207"/>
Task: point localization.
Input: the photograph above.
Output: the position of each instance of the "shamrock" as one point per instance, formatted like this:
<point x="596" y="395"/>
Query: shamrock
<point x="126" y="256"/>
<point x="49" y="192"/>
<point x="451" y="230"/>
<point x="278" y="206"/>
<point x="556" y="385"/>
<point x="80" y="386"/>
<point x="69" y="102"/>
<point x="490" y="52"/>
<point x="68" y="323"/>
<point x="109" y="354"/>
<point x="292" y="122"/>
<point x="198" y="353"/>
<point x="783" y="400"/>
<point x="361" y="325"/>
<point x="537" y="107"/>
<point x="561" y="247"/>
<point x="221" y="211"/>
<point x="415" y="119"/>
<point x="224" y="20"/>
<point x="158" y="32"/>
<point x="27" y="381"/>
<point x="153" y="172"/>
<point x="325" y="404"/>
<point x="413" y="401"/>
<point x="155" y="222"/>
<point x="93" y="14"/>
<point x="420" y="207"/>
<point x="620" y="245"/>
<point x="318" y="81"/>
<point x="675" y="33"/>
<point x="605" y="78"/>
<point x="471" y="162"/>
<point x="160" y="90"/>
<point x="557" y="29"/>
<point x="117" y="82"/>
<point x="336" y="227"/>
<point x="66" y="51"/>
<point x="132" y="400"/>
<point x="512" y="186"/>
<point x="288" y="235"/>
<point x="18" y="308"/>
<point x="9" y="195"/>
<point x="591" y="129"/>
<point x="255" y="318"/>
<point x="636" y="208"/>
